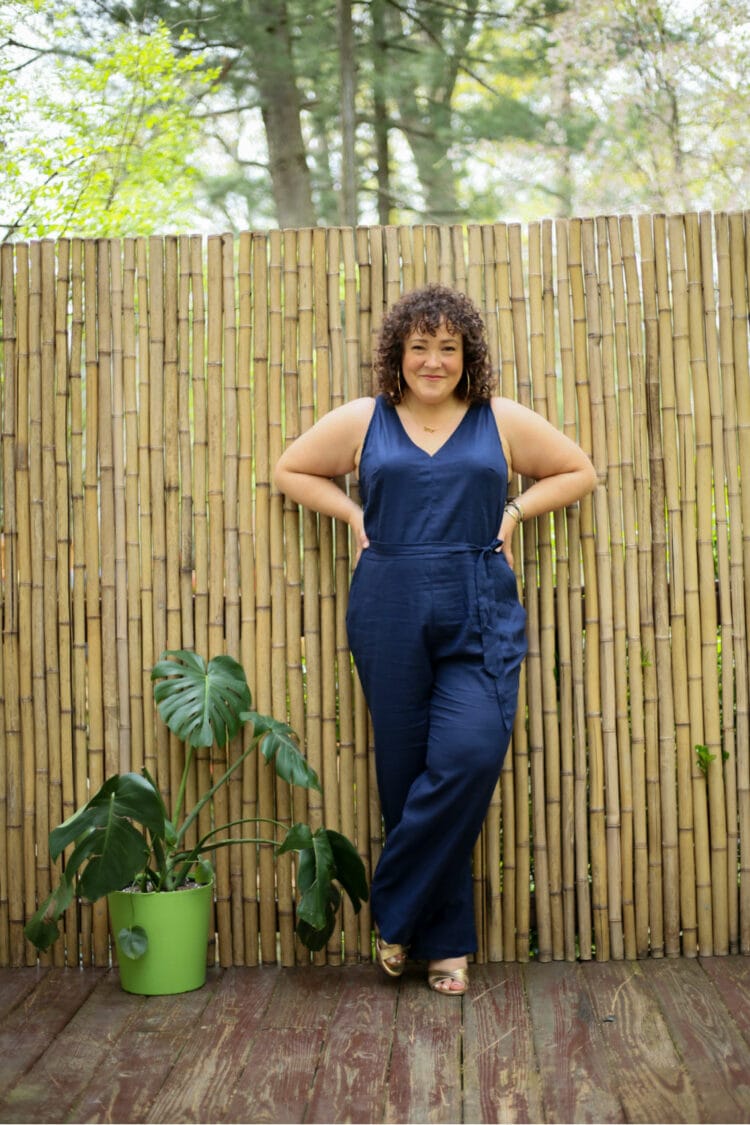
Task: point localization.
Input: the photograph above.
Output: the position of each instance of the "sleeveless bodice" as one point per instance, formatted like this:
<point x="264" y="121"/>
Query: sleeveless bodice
<point x="453" y="496"/>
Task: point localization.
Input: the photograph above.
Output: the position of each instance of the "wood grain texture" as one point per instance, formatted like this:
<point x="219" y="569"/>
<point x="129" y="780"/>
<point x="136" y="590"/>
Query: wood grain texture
<point x="501" y="1078"/>
<point x="637" y="1041"/>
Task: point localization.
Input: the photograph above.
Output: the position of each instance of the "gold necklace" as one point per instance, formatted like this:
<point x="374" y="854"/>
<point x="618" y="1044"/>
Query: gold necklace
<point x="427" y="429"/>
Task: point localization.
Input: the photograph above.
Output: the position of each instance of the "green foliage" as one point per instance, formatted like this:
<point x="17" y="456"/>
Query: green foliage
<point x="124" y="836"/>
<point x="704" y="757"/>
<point x="151" y="114"/>
<point x="104" y="144"/>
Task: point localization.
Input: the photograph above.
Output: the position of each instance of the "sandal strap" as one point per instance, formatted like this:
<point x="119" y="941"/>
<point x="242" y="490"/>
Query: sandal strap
<point x="436" y="977"/>
<point x="391" y="956"/>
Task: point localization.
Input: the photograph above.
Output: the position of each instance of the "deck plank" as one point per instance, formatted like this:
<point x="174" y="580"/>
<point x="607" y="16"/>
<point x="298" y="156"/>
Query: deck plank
<point x="716" y="1056"/>
<point x="50" y="1089"/>
<point x="501" y="1080"/>
<point x="144" y="1055"/>
<point x="276" y="1083"/>
<point x="576" y="1084"/>
<point x="731" y="979"/>
<point x="350" y="1082"/>
<point x="651" y="1078"/>
<point x="216" y="1049"/>
<point x="32" y="1026"/>
<point x="15" y="986"/>
<point x="426" y="1059"/>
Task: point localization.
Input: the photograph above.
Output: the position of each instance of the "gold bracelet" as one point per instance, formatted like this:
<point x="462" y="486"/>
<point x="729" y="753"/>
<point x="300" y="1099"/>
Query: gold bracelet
<point x="514" y="509"/>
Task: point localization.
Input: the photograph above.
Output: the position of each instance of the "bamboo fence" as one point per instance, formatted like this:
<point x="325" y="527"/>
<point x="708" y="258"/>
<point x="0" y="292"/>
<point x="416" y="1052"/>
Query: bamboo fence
<point x="147" y="388"/>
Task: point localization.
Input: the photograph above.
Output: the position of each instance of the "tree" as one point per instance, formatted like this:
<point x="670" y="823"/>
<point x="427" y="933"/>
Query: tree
<point x="663" y="87"/>
<point x="103" y="144"/>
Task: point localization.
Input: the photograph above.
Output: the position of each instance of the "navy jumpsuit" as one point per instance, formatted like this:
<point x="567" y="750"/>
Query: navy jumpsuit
<point x="438" y="636"/>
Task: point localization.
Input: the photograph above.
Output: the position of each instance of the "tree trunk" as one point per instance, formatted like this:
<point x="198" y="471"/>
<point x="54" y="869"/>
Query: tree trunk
<point x="381" y="124"/>
<point x="348" y="208"/>
<point x="270" y="48"/>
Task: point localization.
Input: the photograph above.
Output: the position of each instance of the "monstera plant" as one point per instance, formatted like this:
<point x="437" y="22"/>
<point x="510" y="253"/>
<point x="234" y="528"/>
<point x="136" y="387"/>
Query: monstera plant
<point x="125" y="838"/>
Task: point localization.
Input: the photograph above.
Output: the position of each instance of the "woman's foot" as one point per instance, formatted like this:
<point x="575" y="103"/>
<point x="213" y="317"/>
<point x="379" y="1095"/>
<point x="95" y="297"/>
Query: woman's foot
<point x="449" y="976"/>
<point x="391" y="958"/>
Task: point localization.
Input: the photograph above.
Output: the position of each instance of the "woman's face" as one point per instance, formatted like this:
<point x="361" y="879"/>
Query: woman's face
<point x="432" y="365"/>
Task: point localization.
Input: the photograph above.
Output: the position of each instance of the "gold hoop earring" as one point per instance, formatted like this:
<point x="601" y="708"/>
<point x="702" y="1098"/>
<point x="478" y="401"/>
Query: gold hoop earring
<point x="468" y="386"/>
<point x="400" y="386"/>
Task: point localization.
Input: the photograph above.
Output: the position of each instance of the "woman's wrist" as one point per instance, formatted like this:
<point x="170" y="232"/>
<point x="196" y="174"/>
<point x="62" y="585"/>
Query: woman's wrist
<point x="514" y="510"/>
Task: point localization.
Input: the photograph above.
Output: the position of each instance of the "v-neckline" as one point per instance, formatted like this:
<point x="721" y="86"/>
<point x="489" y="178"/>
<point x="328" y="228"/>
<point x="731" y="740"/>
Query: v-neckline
<point x="443" y="444"/>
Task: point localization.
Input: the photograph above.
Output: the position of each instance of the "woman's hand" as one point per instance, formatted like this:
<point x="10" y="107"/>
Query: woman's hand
<point x="357" y="524"/>
<point x="507" y="527"/>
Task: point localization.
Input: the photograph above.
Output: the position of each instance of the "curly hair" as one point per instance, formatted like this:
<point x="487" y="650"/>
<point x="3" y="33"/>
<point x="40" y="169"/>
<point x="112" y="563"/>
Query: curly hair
<point x="423" y="310"/>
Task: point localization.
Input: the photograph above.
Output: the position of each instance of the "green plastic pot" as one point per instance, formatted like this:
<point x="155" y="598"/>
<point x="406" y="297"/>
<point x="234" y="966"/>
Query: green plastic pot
<point x="176" y="923"/>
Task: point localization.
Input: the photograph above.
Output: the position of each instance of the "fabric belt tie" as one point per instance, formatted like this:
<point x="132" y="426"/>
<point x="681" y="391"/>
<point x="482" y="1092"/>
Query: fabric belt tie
<point x="492" y="643"/>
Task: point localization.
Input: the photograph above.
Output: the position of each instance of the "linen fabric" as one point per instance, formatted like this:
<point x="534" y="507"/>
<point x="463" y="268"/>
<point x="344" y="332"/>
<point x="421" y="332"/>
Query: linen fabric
<point x="437" y="633"/>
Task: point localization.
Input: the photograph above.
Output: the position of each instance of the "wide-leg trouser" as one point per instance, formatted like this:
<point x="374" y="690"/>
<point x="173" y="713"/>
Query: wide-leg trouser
<point x="442" y="728"/>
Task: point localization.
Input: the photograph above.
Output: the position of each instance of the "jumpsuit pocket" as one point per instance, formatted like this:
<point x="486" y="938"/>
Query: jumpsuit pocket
<point x="503" y="623"/>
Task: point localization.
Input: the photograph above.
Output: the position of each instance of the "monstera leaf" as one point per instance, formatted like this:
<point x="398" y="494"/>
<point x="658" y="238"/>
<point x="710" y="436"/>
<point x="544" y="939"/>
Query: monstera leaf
<point x="201" y="702"/>
<point x="324" y="856"/>
<point x="110" y="851"/>
<point x="278" y="746"/>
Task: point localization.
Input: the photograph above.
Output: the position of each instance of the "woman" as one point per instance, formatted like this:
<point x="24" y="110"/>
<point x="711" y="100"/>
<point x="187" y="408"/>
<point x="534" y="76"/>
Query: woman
<point x="435" y="625"/>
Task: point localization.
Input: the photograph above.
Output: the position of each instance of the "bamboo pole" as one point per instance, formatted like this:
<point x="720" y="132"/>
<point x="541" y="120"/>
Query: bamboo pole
<point x="621" y="474"/>
<point x="693" y="608"/>
<point x="231" y="798"/>
<point x="215" y="482"/>
<point x="106" y="511"/>
<point x="560" y="657"/>
<point x="516" y="851"/>
<point x="641" y="467"/>
<point x="12" y="949"/>
<point x="78" y="919"/>
<point x="674" y="717"/>
<point x="329" y="719"/>
<point x="145" y="536"/>
<point x="278" y="624"/>
<point x="346" y="734"/>
<point x="739" y="247"/>
<point x="741" y="728"/>
<point x="36" y="435"/>
<point x="361" y="755"/>
<point x="724" y="683"/>
<point x="136" y="701"/>
<point x="541" y="883"/>
<point x="184" y="445"/>
<point x="370" y="317"/>
<point x="171" y="469"/>
<point x="485" y="880"/>
<point x="592" y="674"/>
<point x="575" y="612"/>
<point x="482" y="250"/>
<point x="120" y="584"/>
<point x="244" y="919"/>
<point x="545" y="805"/>
<point x="25" y="621"/>
<point x="704" y="499"/>
<point x="263" y="660"/>
<point x="612" y="564"/>
<point x="256" y="545"/>
<point x="44" y="521"/>
<point x="93" y="667"/>
<point x="662" y="650"/>
<point x="604" y="599"/>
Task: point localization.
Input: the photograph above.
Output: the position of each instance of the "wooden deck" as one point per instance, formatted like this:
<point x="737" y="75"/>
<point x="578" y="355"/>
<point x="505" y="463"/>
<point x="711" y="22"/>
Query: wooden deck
<point x="647" y="1041"/>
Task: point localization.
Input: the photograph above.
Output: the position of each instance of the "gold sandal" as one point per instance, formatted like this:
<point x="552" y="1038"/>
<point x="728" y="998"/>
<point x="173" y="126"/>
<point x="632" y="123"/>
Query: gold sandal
<point x="387" y="954"/>
<point x="435" y="977"/>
